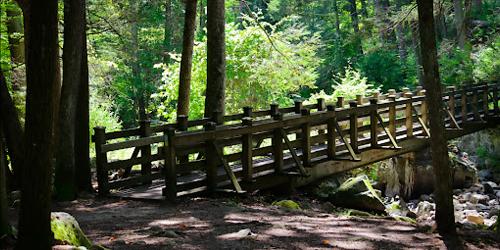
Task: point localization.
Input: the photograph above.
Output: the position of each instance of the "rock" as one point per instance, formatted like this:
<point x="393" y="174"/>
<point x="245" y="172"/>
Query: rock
<point x="479" y="198"/>
<point x="357" y="193"/>
<point x="425" y="197"/>
<point x="489" y="187"/>
<point x="166" y="233"/>
<point x="481" y="207"/>
<point x="67" y="230"/>
<point x="424" y="208"/>
<point x="476" y="219"/>
<point x="244" y="233"/>
<point x="497" y="194"/>
<point x="287" y="204"/>
<point x="68" y="247"/>
<point x="489" y="222"/>
<point x="485" y="175"/>
<point x="493" y="212"/>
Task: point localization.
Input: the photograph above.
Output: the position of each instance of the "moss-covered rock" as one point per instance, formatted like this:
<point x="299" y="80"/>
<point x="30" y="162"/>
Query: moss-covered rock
<point x="67" y="231"/>
<point x="287" y="204"/>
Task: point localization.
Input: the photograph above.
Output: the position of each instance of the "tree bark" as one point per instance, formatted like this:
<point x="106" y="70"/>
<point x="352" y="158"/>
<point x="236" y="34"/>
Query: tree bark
<point x="82" y="136"/>
<point x="167" y="40"/>
<point x="4" y="222"/>
<point x="355" y="25"/>
<point x="445" y="218"/>
<point x="12" y="129"/>
<point x="216" y="60"/>
<point x="418" y="55"/>
<point x="74" y="28"/>
<point x="41" y="75"/>
<point x="187" y="58"/>
<point x="460" y="24"/>
<point x="400" y="36"/>
<point x="337" y="18"/>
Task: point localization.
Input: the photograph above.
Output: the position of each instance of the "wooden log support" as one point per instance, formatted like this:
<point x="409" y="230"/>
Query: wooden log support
<point x="451" y="99"/>
<point x="359" y="100"/>
<point x="392" y="139"/>
<point x="274" y="109"/>
<point x="331" y="147"/>
<point x="246" y="152"/>
<point x="392" y="116"/>
<point x="306" y="140"/>
<point x="301" y="168"/>
<point x="211" y="161"/>
<point x="408" y="115"/>
<point x="373" y="123"/>
<point x="353" y="155"/>
<point x="134" y="155"/>
<point x="145" y="128"/>
<point x="277" y="142"/>
<point x="353" y="126"/>
<point x="464" y="106"/>
<point x="101" y="161"/>
<point x="485" y="101"/>
<point x="321" y="106"/>
<point x="182" y="125"/>
<point x="424" y="108"/>
<point x="170" y="190"/>
<point x="247" y="111"/>
<point x="297" y="106"/>
<point x="340" y="102"/>
<point x="475" y="105"/>
<point x="227" y="168"/>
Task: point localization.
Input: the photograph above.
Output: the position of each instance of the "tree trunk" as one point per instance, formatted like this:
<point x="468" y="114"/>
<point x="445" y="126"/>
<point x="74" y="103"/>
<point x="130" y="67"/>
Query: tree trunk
<point x="216" y="60"/>
<point x="418" y="56"/>
<point x="445" y="217"/>
<point x="12" y="129"/>
<point x="400" y="36"/>
<point x="139" y="100"/>
<point x="187" y="58"/>
<point x="337" y="19"/>
<point x="4" y="222"/>
<point x="460" y="23"/>
<point x="41" y="75"/>
<point x="82" y="137"/>
<point x="202" y="16"/>
<point x="167" y="40"/>
<point x="74" y="28"/>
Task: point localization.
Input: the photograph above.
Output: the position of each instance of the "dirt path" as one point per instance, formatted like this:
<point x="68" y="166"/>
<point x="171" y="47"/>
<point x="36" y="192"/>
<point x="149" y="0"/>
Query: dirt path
<point x="229" y="223"/>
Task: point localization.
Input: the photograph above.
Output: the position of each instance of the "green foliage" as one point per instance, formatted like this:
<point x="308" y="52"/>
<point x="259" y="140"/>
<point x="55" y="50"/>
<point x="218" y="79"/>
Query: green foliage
<point x="383" y="69"/>
<point x="455" y="65"/>
<point x="348" y="86"/>
<point x="259" y="72"/>
<point x="100" y="114"/>
<point x="66" y="230"/>
<point x="487" y="64"/>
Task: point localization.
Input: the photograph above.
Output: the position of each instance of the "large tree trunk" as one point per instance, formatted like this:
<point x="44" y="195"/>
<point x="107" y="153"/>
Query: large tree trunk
<point x="4" y="223"/>
<point x="187" y="58"/>
<point x="216" y="59"/>
<point x="82" y="136"/>
<point x="460" y="24"/>
<point x="74" y="29"/>
<point x="41" y="75"/>
<point x="12" y="129"/>
<point x="445" y="217"/>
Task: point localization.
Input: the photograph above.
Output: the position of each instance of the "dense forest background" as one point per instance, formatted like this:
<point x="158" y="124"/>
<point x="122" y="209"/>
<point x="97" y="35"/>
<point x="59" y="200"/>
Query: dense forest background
<point x="277" y="51"/>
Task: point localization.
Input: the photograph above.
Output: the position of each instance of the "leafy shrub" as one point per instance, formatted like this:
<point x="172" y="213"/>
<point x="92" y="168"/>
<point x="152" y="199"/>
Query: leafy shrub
<point x="455" y="65"/>
<point x="487" y="65"/>
<point x="101" y="115"/>
<point x="382" y="68"/>
<point x="259" y="72"/>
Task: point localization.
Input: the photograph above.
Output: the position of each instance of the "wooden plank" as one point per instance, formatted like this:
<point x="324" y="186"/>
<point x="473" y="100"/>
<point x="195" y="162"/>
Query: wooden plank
<point x="101" y="161"/>
<point x="306" y="140"/>
<point x="170" y="191"/>
<point x="293" y="153"/>
<point x="145" y="127"/>
<point x="277" y="144"/>
<point x="409" y="116"/>
<point x="246" y="154"/>
<point x="132" y="143"/>
<point x="353" y="127"/>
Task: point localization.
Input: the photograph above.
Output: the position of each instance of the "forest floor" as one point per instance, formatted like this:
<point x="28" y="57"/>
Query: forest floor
<point x="250" y="223"/>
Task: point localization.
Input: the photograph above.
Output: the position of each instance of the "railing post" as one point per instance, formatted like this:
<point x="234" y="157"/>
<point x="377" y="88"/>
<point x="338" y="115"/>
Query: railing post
<point x="331" y="133"/>
<point x="409" y="115"/>
<point x="274" y="109"/>
<point x="145" y="128"/>
<point x="392" y="116"/>
<point x="485" y="100"/>
<point x="306" y="140"/>
<point x="321" y="107"/>
<point x="391" y="92"/>
<point x="101" y="161"/>
<point x="182" y="125"/>
<point x="246" y="152"/>
<point x="451" y="100"/>
<point x="277" y="142"/>
<point x="373" y="123"/>
<point x="298" y="106"/>
<point x="359" y="99"/>
<point x="475" y="104"/>
<point x="211" y="161"/>
<point x="340" y="102"/>
<point x="247" y="111"/>
<point x="464" y="105"/>
<point x="424" y="108"/>
<point x="170" y="190"/>
<point x="353" y="126"/>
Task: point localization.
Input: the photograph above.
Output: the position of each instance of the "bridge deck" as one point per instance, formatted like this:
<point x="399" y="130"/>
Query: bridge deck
<point x="263" y="149"/>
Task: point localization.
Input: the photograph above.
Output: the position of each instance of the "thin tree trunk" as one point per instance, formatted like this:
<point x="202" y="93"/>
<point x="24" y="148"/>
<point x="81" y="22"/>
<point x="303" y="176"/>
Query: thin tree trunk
<point x="187" y="58"/>
<point x="136" y="67"/>
<point x="460" y="23"/>
<point x="41" y="74"/>
<point x="74" y="28"/>
<point x="12" y="129"/>
<point x="400" y="36"/>
<point x="167" y="40"/>
<point x="337" y="19"/>
<point x="216" y="60"/>
<point x="82" y="137"/>
<point x="202" y="16"/>
<point x="445" y="217"/>
<point x="355" y="25"/>
<point x="418" y="56"/>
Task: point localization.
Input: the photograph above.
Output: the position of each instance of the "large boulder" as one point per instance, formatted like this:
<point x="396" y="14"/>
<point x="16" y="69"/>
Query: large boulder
<point x="67" y="231"/>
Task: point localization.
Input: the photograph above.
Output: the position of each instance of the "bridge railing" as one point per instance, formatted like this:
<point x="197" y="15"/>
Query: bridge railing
<point x="279" y="141"/>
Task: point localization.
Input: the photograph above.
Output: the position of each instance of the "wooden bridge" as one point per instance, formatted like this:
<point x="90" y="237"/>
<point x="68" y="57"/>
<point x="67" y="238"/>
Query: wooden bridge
<point x="293" y="145"/>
